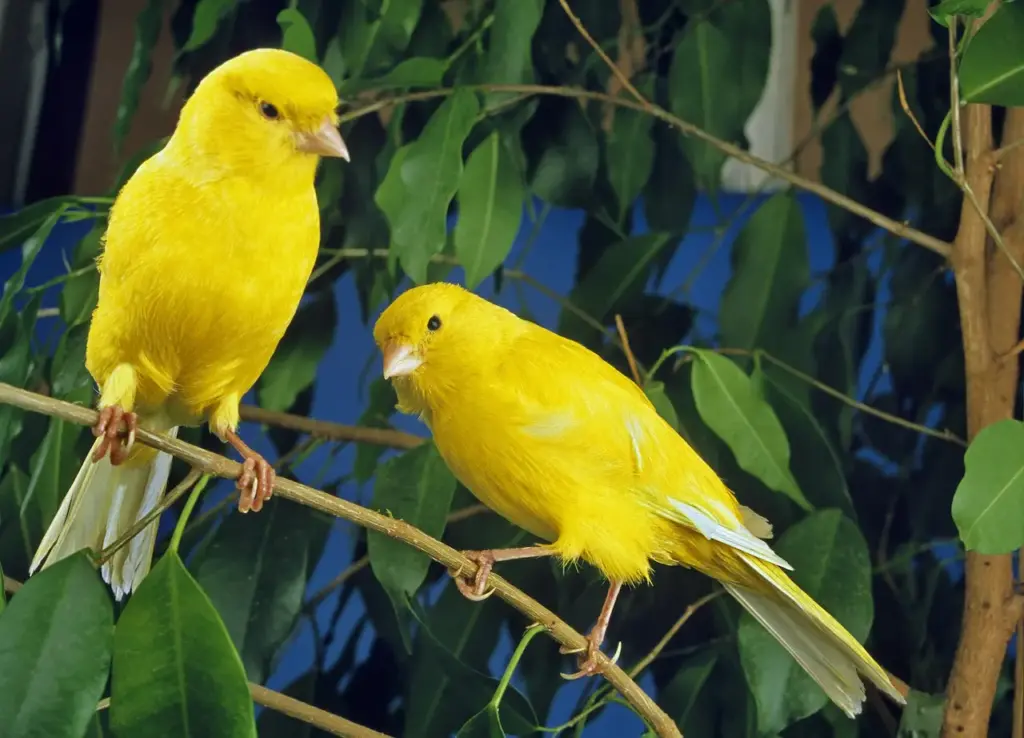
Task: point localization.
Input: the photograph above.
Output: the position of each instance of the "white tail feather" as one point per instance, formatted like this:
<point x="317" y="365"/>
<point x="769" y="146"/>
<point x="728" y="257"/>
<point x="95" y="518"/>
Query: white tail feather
<point x="103" y="502"/>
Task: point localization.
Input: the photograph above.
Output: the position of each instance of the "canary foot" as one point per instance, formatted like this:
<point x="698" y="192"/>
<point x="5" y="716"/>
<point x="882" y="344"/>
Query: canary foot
<point x="256" y="482"/>
<point x="108" y="428"/>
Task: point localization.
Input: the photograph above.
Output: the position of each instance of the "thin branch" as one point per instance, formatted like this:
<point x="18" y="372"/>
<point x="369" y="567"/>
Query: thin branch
<point x="211" y="463"/>
<point x="331" y="431"/>
<point x="627" y="350"/>
<point x="900" y="230"/>
<point x="954" y="102"/>
<point x="905" y="105"/>
<point x="997" y="155"/>
<point x="309" y="714"/>
<point x="623" y="79"/>
<point x="670" y="633"/>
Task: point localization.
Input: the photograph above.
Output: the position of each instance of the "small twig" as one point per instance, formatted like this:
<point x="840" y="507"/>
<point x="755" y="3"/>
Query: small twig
<point x="954" y="101"/>
<point x="905" y="105"/>
<point x="997" y="155"/>
<point x="623" y="79"/>
<point x="331" y="431"/>
<point x="670" y="633"/>
<point x="309" y="714"/>
<point x="211" y="463"/>
<point x="627" y="350"/>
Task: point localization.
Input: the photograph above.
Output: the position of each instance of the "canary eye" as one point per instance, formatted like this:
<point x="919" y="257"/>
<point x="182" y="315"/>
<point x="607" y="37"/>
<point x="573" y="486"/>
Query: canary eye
<point x="269" y="111"/>
<point x="434" y="323"/>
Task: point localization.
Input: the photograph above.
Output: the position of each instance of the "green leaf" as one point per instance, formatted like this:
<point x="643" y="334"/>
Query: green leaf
<point x="293" y="365"/>
<point x="922" y="716"/>
<point x="485" y="724"/>
<point x="78" y="298"/>
<point x="770" y="273"/>
<point x="19" y="225"/>
<point x="733" y="43"/>
<point x="947" y="9"/>
<point x="54" y="466"/>
<point x="17" y="538"/>
<point x="55" y="645"/>
<point x="147" y="31"/>
<point x="15" y="367"/>
<point x="630" y="155"/>
<point x="992" y="68"/>
<point x="274" y="724"/>
<point x="29" y="251"/>
<point x="832" y="565"/>
<point x="685" y="697"/>
<point x="490" y="209"/>
<point x="670" y="192"/>
<point x="415" y="72"/>
<point x="731" y="407"/>
<point x="175" y="671"/>
<point x="205" y="19"/>
<point x="296" y="34"/>
<point x="69" y="378"/>
<point x="379" y="409"/>
<point x="421" y="182"/>
<point x="659" y="398"/>
<point x="254" y="570"/>
<point x="508" y="52"/>
<point x="416" y="487"/>
<point x="988" y="507"/>
<point x="563" y="153"/>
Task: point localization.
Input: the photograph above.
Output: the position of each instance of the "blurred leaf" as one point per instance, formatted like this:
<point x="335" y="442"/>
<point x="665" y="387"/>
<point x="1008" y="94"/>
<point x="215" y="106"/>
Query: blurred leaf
<point x="686" y="696"/>
<point x="832" y="565"/>
<point x="421" y="182"/>
<point x="17" y="226"/>
<point x="415" y="72"/>
<point x="630" y="154"/>
<point x="508" y="54"/>
<point x="828" y="47"/>
<point x="53" y="469"/>
<point x="69" y="378"/>
<point x="670" y="192"/>
<point x="844" y="168"/>
<point x="490" y="208"/>
<point x="992" y="67"/>
<point x="868" y="44"/>
<point x="485" y="724"/>
<point x="734" y="44"/>
<point x="175" y="670"/>
<point x="17" y="538"/>
<point x="375" y="35"/>
<point x="95" y="727"/>
<point x="78" y="298"/>
<point x="29" y="251"/>
<point x="563" y="154"/>
<point x="293" y="366"/>
<point x="946" y="9"/>
<point x="55" y="644"/>
<point x="988" y="507"/>
<point x="770" y="273"/>
<point x="147" y="31"/>
<point x="728" y="403"/>
<point x="296" y="34"/>
<point x="207" y="15"/>
<point x="15" y="368"/>
<point x="922" y="716"/>
<point x="379" y="409"/>
<point x="655" y="392"/>
<point x="416" y="487"/>
<point x="254" y="569"/>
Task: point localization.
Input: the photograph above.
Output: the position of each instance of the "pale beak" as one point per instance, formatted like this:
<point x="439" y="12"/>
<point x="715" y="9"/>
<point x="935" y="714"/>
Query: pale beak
<point x="325" y="141"/>
<point x="399" y="360"/>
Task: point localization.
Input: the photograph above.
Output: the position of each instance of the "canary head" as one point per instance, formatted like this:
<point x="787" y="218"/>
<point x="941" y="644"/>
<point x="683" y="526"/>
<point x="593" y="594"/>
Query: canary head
<point x="261" y="110"/>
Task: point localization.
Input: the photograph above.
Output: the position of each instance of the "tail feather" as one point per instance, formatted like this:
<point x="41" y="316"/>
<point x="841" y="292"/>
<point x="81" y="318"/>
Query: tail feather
<point x="823" y="647"/>
<point x="103" y="502"/>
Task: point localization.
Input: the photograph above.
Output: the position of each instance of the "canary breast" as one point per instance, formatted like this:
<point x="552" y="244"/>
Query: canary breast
<point x="199" y="279"/>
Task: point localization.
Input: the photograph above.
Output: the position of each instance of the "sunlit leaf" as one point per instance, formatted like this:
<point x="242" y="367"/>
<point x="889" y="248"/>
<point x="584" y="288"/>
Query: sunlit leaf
<point x="293" y="365"/>
<point x="175" y="671"/>
<point x="55" y="648"/>
<point x="490" y="208"/>
<point x="421" y="182"/>
<point x="988" y="507"/>
<point x="832" y="565"/>
<point x="992" y="69"/>
<point x="731" y="407"/>
<point x="147" y="30"/>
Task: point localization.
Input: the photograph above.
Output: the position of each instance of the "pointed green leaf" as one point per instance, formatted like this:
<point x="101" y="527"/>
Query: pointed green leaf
<point x="29" y="251"/>
<point x="659" y="398"/>
<point x="832" y="565"/>
<point x="54" y="466"/>
<point x="176" y="674"/>
<point x="507" y="61"/>
<point x="728" y="403"/>
<point x="18" y="536"/>
<point x="55" y="644"/>
<point x="254" y="570"/>
<point x="946" y="9"/>
<point x="685" y="697"/>
<point x="147" y="31"/>
<point x="421" y="182"/>
<point x="630" y="155"/>
<point x="415" y="72"/>
<point x="490" y="208"/>
<point x="294" y="363"/>
<point x="296" y="34"/>
<point x="988" y="507"/>
<point x="992" y="68"/>
<point x="205" y="18"/>
<point x="78" y="298"/>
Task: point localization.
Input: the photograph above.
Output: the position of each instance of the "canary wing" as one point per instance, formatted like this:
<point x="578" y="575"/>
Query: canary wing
<point x="578" y="402"/>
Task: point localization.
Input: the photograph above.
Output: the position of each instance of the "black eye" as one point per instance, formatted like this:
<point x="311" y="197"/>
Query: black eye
<point x="269" y="111"/>
<point x="434" y="323"/>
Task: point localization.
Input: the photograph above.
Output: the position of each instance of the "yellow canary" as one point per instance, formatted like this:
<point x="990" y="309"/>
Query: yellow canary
<point x="560" y="443"/>
<point x="207" y="253"/>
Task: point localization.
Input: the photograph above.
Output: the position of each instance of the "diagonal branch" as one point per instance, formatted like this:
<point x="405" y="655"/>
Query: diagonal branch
<point x="211" y="463"/>
<point x="331" y="431"/>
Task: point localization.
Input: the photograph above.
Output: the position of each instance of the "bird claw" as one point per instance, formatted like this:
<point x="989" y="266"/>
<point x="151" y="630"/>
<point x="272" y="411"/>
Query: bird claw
<point x="108" y="429"/>
<point x="255" y="483"/>
<point x="475" y="589"/>
<point x="589" y="665"/>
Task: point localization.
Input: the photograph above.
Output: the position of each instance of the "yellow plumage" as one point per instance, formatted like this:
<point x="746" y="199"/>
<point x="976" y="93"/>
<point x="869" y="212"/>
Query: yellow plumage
<point x="560" y="443"/>
<point x="207" y="253"/>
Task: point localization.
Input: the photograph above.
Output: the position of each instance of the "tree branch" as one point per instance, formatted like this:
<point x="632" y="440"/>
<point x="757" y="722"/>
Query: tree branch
<point x="211" y="463"/>
<point x="309" y="714"/>
<point x="331" y="431"/>
<point x="901" y="230"/>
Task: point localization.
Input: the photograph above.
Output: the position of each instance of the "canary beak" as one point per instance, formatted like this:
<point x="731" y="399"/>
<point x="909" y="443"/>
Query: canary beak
<point x="325" y="141"/>
<point x="399" y="360"/>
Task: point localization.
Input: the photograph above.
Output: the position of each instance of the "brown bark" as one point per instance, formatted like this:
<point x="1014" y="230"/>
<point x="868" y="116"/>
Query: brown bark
<point x="989" y="292"/>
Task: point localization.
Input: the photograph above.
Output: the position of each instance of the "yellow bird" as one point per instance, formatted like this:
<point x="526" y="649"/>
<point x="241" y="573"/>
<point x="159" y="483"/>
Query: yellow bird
<point x="208" y="250"/>
<point x="560" y="443"/>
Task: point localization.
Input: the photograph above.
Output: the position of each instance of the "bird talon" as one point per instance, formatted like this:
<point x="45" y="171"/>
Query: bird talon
<point x="475" y="588"/>
<point x="108" y="429"/>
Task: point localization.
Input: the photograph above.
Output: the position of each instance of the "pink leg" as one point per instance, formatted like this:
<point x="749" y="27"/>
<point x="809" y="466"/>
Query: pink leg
<point x="108" y="428"/>
<point x="588" y="659"/>
<point x="256" y="482"/>
<point x="474" y="589"/>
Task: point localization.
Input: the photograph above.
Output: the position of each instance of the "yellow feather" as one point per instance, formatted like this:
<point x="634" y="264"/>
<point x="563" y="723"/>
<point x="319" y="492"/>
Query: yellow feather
<point x="562" y="444"/>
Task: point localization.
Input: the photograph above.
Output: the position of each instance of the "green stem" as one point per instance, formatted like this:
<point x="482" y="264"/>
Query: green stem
<point x="186" y="511"/>
<point x="513" y="663"/>
<point x="470" y="40"/>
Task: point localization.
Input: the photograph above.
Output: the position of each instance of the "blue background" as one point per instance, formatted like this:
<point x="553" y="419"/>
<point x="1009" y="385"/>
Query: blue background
<point x="352" y="361"/>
